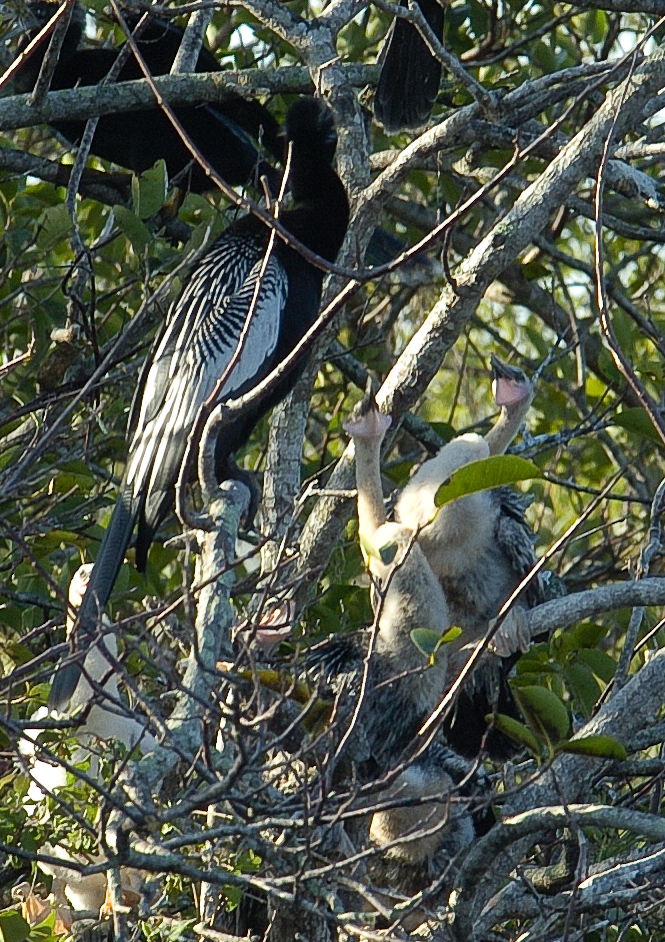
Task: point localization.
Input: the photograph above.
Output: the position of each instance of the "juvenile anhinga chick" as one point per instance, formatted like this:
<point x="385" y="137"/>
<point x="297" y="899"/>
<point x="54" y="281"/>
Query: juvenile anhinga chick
<point x="412" y="598"/>
<point x="420" y="838"/>
<point x="480" y="548"/>
<point x="233" y="287"/>
<point x="83" y="893"/>
<point x="86" y="893"/>
<point x="478" y="552"/>
<point x="513" y="392"/>
<point x="409" y="596"/>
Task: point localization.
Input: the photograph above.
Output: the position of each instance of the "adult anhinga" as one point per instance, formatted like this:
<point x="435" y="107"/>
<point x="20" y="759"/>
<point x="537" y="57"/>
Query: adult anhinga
<point x="222" y="132"/>
<point x="401" y="690"/>
<point x="200" y="337"/>
<point x="410" y="74"/>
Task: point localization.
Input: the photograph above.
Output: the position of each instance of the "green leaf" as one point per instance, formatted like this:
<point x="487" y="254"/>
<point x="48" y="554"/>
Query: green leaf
<point x="494" y="471"/>
<point x="586" y="635"/>
<point x="133" y="228"/>
<point x="179" y="929"/>
<point x="637" y="420"/>
<point x="19" y="653"/>
<point x="600" y="663"/>
<point x="55" y="224"/>
<point x="384" y="554"/>
<point x="429" y="641"/>
<point x="528" y="664"/>
<point x="544" y="712"/>
<point x="583" y="686"/>
<point x="516" y="731"/>
<point x="45" y="930"/>
<point x="13" y="927"/>
<point x="149" y="191"/>
<point x="426" y="640"/>
<point x="602" y="747"/>
<point x="444" y="430"/>
<point x="534" y="270"/>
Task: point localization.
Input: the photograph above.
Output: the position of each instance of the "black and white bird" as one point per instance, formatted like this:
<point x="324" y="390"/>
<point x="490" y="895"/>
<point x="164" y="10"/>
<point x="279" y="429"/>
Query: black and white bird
<point x="480" y="548"/>
<point x="199" y="339"/>
<point x="402" y="689"/>
<point x="410" y="74"/>
<point x="225" y="133"/>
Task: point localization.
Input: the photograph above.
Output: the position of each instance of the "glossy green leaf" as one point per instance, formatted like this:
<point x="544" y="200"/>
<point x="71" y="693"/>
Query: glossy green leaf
<point x="426" y="640"/>
<point x="55" y="224"/>
<point x="516" y="731"/>
<point x="586" y="635"/>
<point x="429" y="641"/>
<point x="532" y="665"/>
<point x="13" y="927"/>
<point x="19" y="653"/>
<point x="583" y="686"/>
<point x="600" y="663"/>
<point x="149" y="190"/>
<point x="136" y="232"/>
<point x="534" y="270"/>
<point x="494" y="471"/>
<point x="544" y="712"/>
<point x="601" y="747"/>
<point x="636" y="420"/>
<point x="385" y="553"/>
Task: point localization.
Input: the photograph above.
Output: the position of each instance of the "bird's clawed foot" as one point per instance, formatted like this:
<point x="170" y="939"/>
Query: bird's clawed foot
<point x="230" y="470"/>
<point x="512" y="635"/>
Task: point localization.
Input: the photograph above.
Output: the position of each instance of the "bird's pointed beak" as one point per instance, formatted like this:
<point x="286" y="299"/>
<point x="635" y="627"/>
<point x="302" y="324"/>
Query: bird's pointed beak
<point x="510" y="385"/>
<point x="501" y="370"/>
<point x="366" y="421"/>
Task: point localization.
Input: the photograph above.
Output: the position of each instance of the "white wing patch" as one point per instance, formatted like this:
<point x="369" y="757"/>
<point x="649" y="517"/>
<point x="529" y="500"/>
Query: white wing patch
<point x="205" y="325"/>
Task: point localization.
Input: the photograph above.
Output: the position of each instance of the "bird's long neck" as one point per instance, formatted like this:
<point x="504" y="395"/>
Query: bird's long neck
<point x="74" y="32"/>
<point x="320" y="213"/>
<point x="371" y="510"/>
<point x="506" y="427"/>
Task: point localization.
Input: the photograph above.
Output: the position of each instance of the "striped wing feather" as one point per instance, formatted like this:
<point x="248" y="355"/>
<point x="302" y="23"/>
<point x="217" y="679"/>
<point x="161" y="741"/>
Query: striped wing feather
<point x="195" y="350"/>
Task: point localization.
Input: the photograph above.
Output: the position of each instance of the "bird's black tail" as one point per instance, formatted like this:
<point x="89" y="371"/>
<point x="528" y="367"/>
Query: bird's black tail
<point x="100" y="585"/>
<point x="410" y="76"/>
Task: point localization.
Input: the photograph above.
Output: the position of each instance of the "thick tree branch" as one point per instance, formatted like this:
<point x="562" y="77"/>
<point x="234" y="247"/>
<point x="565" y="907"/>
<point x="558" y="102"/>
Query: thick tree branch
<point x="203" y="87"/>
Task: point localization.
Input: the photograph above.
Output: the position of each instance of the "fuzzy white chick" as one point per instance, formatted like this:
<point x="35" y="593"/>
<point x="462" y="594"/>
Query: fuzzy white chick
<point x="85" y="893"/>
<point x="426" y="826"/>
<point x="104" y="717"/>
<point x="478" y="547"/>
<point x="402" y="689"/>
